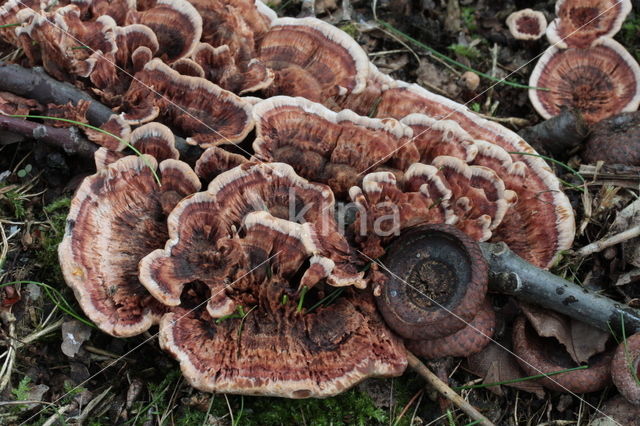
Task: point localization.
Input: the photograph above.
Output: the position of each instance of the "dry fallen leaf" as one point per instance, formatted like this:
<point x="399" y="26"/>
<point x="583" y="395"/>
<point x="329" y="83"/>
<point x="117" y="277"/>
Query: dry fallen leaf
<point x="74" y="334"/>
<point x="580" y="340"/>
<point x="495" y="364"/>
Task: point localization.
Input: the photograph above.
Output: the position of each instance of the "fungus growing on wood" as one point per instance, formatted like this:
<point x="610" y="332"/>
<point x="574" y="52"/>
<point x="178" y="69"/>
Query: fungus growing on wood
<point x="527" y="24"/>
<point x="580" y="23"/>
<point x="447" y="191"/>
<point x="214" y="161"/>
<point x="201" y="228"/>
<point x="155" y="139"/>
<point x="220" y="67"/>
<point x="177" y="25"/>
<point x="312" y="59"/>
<point x="540" y="199"/>
<point x="328" y="147"/>
<point x="599" y="81"/>
<point x="202" y="110"/>
<point x="327" y="350"/>
<point x="116" y="218"/>
<point x="117" y="126"/>
<point x="186" y="66"/>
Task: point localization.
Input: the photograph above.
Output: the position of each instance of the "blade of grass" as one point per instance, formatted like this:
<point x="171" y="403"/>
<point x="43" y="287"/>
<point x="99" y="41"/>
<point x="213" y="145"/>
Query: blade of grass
<point x="56" y="297"/>
<point x="303" y="293"/>
<point x="521" y="379"/>
<point x="97" y="129"/>
<point x="15" y="24"/>
<point x="328" y="299"/>
<point x="453" y="61"/>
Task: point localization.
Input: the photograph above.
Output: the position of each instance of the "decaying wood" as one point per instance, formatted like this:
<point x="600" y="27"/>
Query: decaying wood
<point x="34" y="83"/>
<point x="71" y="140"/>
<point x="558" y="135"/>
<point x="611" y="175"/>
<point x="512" y="275"/>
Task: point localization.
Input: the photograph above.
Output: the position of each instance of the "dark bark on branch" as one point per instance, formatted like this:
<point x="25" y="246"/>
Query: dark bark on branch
<point x="35" y="84"/>
<point x="69" y="139"/>
<point x="558" y="135"/>
<point x="512" y="275"/>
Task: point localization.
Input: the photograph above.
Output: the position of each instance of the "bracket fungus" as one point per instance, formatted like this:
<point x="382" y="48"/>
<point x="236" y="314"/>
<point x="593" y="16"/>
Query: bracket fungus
<point x="312" y="59"/>
<point x="580" y="23"/>
<point x="624" y="368"/>
<point x="116" y="218"/>
<point x="599" y="81"/>
<point x="205" y="112"/>
<point x="527" y="24"/>
<point x="201" y="229"/>
<point x="177" y="25"/>
<point x="329" y="147"/>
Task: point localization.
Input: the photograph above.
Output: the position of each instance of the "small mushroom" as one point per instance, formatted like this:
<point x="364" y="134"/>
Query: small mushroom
<point x="599" y="81"/>
<point x="117" y="217"/>
<point x="527" y="24"/>
<point x="580" y="23"/>
<point x="312" y="59"/>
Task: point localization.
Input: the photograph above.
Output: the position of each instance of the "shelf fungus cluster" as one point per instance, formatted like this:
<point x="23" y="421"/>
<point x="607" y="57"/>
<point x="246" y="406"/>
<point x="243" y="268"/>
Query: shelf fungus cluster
<point x="264" y="283"/>
<point x="585" y="68"/>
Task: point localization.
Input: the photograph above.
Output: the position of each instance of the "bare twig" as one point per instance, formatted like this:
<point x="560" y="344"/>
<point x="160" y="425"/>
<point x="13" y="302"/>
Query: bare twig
<point x="598" y="246"/>
<point x="445" y="390"/>
<point x="36" y="84"/>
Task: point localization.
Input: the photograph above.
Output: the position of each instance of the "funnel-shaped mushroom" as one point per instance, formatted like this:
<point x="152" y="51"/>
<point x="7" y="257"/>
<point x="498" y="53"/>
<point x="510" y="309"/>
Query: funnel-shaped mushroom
<point x="116" y="218"/>
<point x="527" y="24"/>
<point x="201" y="226"/>
<point x="579" y="23"/>
<point x="204" y="111"/>
<point x="313" y="59"/>
<point x="328" y="147"/>
<point x="600" y="81"/>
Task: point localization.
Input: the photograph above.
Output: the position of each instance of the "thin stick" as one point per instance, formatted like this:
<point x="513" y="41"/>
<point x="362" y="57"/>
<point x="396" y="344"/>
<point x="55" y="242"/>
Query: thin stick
<point x="445" y="390"/>
<point x="598" y="246"/>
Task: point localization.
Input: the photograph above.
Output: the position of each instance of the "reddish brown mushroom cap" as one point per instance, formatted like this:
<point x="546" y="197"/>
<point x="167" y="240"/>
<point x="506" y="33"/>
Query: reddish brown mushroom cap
<point x="201" y="225"/>
<point x="624" y="368"/>
<point x="527" y="24"/>
<point x="313" y="59"/>
<point x="186" y="66"/>
<point x="202" y="110"/>
<point x="579" y="23"/>
<point x="282" y="353"/>
<point x="328" y="147"/>
<point x="600" y="81"/>
<point x="115" y="219"/>
<point x="177" y="24"/>
<point x="117" y="126"/>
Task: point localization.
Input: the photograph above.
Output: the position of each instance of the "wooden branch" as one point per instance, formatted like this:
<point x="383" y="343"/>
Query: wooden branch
<point x="557" y="135"/>
<point x="71" y="140"/>
<point x="445" y="390"/>
<point x="513" y="275"/>
<point x="34" y="83"/>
